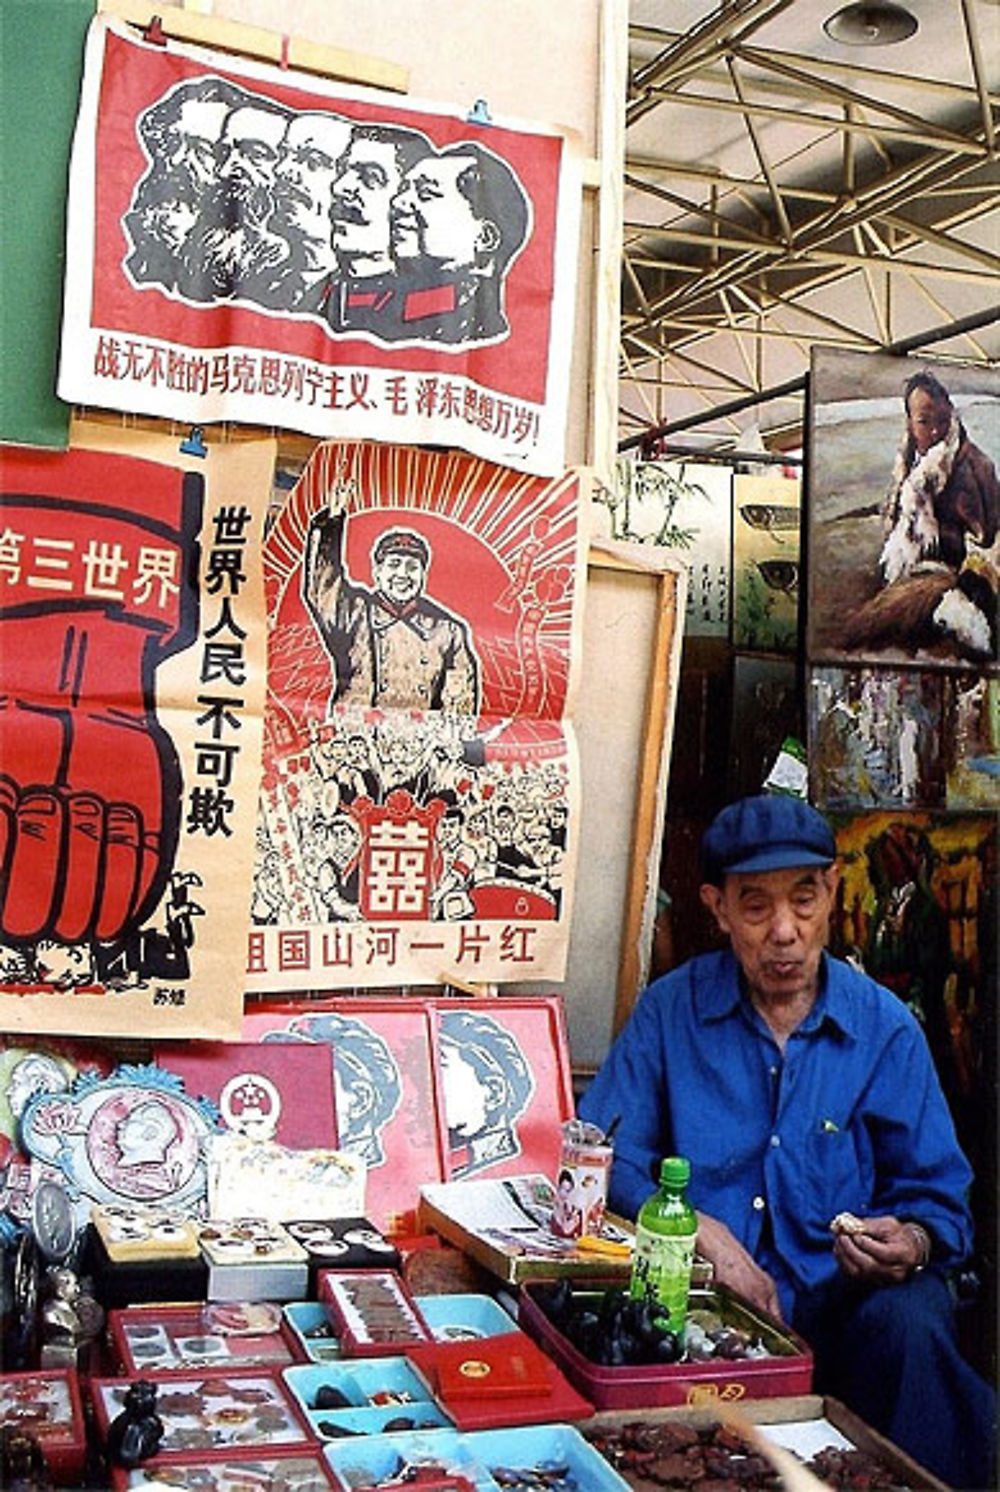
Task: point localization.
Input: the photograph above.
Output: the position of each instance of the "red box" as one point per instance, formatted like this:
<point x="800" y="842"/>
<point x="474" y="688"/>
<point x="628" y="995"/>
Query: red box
<point x="222" y="1336"/>
<point x="788" y="1372"/>
<point x="47" y="1405"/>
<point x="205" y="1412"/>
<point x="373" y="1312"/>
<point x="302" y="1469"/>
<point x="501" y="1380"/>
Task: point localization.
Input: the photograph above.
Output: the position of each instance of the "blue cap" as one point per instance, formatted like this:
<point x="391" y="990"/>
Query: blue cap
<point x="770" y="832"/>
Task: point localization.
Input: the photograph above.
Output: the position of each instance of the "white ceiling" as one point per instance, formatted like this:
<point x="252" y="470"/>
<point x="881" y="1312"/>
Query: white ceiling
<point x="783" y="189"/>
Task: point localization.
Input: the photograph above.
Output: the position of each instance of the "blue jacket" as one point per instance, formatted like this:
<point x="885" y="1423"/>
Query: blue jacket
<point x="852" y="1117"/>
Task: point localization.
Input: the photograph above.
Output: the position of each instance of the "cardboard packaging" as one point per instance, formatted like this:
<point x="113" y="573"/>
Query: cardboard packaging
<point x="251" y="1259"/>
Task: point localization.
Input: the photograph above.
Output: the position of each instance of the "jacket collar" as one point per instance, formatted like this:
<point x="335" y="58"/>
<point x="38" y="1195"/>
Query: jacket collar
<point x="720" y="996"/>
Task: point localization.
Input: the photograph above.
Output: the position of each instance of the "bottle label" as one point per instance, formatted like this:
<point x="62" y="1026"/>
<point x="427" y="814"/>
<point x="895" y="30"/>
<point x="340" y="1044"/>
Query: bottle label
<point x="661" y="1271"/>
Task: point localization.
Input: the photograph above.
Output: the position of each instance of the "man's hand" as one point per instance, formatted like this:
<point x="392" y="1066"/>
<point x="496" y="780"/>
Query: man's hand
<point x="734" y="1267"/>
<point x="881" y="1251"/>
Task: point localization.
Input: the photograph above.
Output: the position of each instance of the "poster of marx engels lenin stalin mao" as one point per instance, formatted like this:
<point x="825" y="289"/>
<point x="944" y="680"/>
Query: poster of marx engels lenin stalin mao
<point x="418" y="804"/>
<point x="253" y="244"/>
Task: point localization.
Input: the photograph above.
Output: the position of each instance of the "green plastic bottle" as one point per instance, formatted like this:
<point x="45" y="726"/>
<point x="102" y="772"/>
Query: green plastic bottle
<point x="664" y="1243"/>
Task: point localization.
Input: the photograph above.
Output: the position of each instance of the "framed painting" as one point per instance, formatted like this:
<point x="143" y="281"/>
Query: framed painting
<point x="876" y="738"/>
<point x="766" y="569"/>
<point x="904" y="505"/>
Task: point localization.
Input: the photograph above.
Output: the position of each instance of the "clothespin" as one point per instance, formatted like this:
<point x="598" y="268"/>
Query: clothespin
<point x="479" y="113"/>
<point x="155" y="33"/>
<point x="194" y="443"/>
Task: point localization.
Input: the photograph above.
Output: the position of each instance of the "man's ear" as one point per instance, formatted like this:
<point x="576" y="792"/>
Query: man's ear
<point x="831" y="878"/>
<point x="711" y="897"/>
<point x="489" y="237"/>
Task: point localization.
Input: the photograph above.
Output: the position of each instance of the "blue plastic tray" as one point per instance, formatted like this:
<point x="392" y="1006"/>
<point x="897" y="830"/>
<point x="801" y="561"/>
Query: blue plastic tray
<point x="358" y="1378"/>
<point x="525" y="1446"/>
<point x="373" y="1421"/>
<point x="302" y="1317"/>
<point x="454" y="1318"/>
<point x="359" y="1463"/>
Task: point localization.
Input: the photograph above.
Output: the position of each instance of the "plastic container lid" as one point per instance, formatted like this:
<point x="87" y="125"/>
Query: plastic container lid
<point x="675" y="1170"/>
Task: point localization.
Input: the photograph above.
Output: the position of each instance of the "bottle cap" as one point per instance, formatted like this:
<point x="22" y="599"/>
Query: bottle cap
<point x="675" y="1171"/>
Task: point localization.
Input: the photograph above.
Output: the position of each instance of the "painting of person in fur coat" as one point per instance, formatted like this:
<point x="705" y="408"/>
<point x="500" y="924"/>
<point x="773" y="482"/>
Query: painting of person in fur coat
<point x="939" y="563"/>
<point x="943" y="486"/>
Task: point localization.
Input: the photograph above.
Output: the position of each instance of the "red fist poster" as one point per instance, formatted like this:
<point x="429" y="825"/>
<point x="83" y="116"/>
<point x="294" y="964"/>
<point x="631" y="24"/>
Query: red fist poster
<point x="132" y="652"/>
<point x="250" y="243"/>
<point x="420" y="772"/>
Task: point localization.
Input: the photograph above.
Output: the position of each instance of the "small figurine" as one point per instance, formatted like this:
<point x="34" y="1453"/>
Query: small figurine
<point x="135" y="1434"/>
<point x="22" y="1462"/>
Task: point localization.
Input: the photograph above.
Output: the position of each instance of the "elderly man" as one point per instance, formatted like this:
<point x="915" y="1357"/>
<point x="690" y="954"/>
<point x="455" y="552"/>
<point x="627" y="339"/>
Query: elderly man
<point x="390" y="645"/>
<point x="829" y="1184"/>
<point x="232" y="244"/>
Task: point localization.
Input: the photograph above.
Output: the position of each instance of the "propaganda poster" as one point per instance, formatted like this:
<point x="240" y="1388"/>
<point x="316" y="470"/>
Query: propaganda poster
<point x="133" y="652"/>
<point x="250" y="243"/>
<point x="420" y="776"/>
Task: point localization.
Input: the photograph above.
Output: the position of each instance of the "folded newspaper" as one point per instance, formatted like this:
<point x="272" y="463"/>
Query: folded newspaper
<point x="504" y="1225"/>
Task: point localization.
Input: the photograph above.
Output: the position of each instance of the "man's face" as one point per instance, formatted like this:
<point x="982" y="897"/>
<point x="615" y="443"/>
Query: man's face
<point x="467" y="1099"/>
<point x="777" y="922"/>
<point x="194" y="138"/>
<point x="368" y="178"/>
<point x="431" y="219"/>
<point x="343" y="842"/>
<point x="170" y="221"/>
<point x="398" y="576"/>
<point x="928" y="419"/>
<point x="305" y="171"/>
<point x="249" y="146"/>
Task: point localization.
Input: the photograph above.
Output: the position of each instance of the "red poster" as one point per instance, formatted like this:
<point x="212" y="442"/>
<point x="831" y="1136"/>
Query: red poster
<point x="250" y="243"/>
<point x="132" y="652"/>
<point x="420" y="773"/>
<point x="383" y="1072"/>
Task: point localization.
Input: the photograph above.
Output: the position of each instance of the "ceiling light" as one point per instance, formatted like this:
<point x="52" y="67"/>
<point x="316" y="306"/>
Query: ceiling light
<point x="879" y="24"/>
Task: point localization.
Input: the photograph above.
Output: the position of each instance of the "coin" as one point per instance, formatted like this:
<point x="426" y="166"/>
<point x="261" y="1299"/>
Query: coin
<point x="52" y="1221"/>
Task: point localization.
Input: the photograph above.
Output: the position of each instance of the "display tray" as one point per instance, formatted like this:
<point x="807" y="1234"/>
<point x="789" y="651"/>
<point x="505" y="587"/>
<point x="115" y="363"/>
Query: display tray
<point x="47" y="1406"/>
<point x="504" y="1226"/>
<point x="372" y="1311"/>
<point x="211" y="1412"/>
<point x="788" y="1371"/>
<point x="221" y="1336"/>
<point x="252" y="1259"/>
<point x="463" y="1318"/>
<point x="366" y="1395"/>
<point x="142" y="1281"/>
<point x="785" y="1419"/>
<point x="234" y="1471"/>
<point x="481" y="1461"/>
<point x="310" y="1324"/>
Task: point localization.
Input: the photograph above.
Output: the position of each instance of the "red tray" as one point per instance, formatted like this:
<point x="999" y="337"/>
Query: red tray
<point x="47" y="1405"/>
<point x="788" y="1372"/>
<point x="194" y="1339"/>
